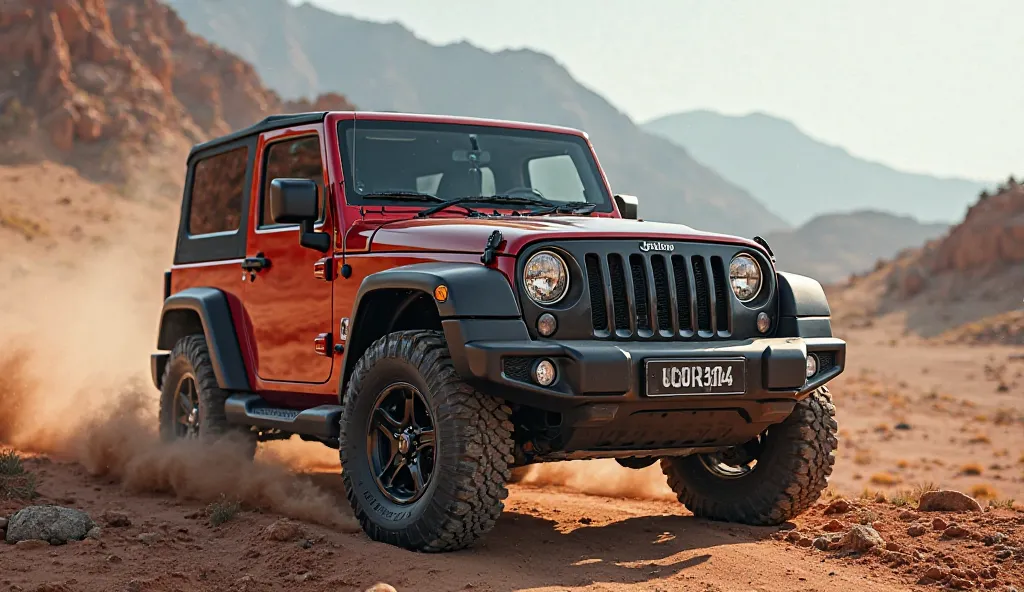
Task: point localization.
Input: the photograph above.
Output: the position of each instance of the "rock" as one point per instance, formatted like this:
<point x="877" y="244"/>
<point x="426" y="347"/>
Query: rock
<point x="839" y="506"/>
<point x="94" y="533"/>
<point x="833" y="526"/>
<point x="55" y="524"/>
<point x="935" y="573"/>
<point x="284" y="530"/>
<point x="939" y="524"/>
<point x="794" y="536"/>
<point x="822" y="543"/>
<point x="381" y="587"/>
<point x="902" y="426"/>
<point x="955" y="531"/>
<point x="3" y="524"/>
<point x="956" y="583"/>
<point x="31" y="544"/>
<point x="805" y="542"/>
<point x="149" y="538"/>
<point x="115" y="519"/>
<point x="948" y="501"/>
<point x="993" y="539"/>
<point x="916" y="530"/>
<point x="1004" y="554"/>
<point x="907" y="516"/>
<point x="861" y="538"/>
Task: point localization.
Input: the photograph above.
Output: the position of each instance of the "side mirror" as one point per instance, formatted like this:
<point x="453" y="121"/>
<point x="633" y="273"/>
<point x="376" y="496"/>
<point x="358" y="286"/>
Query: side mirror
<point x="627" y="205"/>
<point x="296" y="201"/>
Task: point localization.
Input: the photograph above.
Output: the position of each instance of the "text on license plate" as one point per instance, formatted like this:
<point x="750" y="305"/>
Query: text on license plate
<point x="679" y="377"/>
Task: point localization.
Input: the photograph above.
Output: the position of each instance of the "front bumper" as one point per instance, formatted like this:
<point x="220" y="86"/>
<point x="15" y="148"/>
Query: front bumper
<point x="600" y="396"/>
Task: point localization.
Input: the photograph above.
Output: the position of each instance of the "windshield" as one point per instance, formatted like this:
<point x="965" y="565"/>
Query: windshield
<point x="452" y="161"/>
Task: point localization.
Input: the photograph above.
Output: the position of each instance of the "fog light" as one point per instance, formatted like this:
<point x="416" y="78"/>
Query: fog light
<point x="547" y="324"/>
<point x="544" y="373"/>
<point x="812" y="365"/>
<point x="764" y="322"/>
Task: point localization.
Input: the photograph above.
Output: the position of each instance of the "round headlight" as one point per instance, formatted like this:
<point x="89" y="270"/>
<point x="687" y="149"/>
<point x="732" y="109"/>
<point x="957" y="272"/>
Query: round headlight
<point x="546" y="278"/>
<point x="745" y="277"/>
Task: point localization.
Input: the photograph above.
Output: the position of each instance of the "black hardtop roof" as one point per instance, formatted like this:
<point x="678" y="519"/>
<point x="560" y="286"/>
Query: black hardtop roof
<point x="268" y="123"/>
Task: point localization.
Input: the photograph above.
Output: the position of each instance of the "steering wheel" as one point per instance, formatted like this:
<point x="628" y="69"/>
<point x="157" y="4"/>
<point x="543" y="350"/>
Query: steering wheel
<point x="527" y="190"/>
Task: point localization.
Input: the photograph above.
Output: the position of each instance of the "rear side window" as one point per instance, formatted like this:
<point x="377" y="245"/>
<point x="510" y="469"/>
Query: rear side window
<point x="217" y="187"/>
<point x="298" y="158"/>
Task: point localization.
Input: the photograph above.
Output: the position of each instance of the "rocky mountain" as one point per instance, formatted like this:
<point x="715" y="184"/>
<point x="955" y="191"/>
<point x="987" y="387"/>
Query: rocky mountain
<point x="800" y="177"/>
<point x="968" y="276"/>
<point x="831" y="247"/>
<point x="302" y="50"/>
<point x="119" y="89"/>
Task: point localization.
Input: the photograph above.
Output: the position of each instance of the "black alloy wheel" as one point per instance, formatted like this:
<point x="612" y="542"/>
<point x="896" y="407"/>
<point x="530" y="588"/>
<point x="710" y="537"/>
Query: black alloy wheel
<point x="400" y="443"/>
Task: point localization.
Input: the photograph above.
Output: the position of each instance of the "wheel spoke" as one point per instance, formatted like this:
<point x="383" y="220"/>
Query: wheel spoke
<point x="387" y="476"/>
<point x="425" y="439"/>
<point x="409" y="415"/>
<point x="417" y="476"/>
<point x="185" y="402"/>
<point x="387" y="422"/>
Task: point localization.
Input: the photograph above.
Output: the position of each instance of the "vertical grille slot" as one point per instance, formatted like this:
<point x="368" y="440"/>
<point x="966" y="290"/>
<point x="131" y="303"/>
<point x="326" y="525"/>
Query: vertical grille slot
<point x="619" y="294"/>
<point x="682" y="282"/>
<point x="662" y="290"/>
<point x="598" y="310"/>
<point x="639" y="272"/>
<point x="721" y="294"/>
<point x="700" y="281"/>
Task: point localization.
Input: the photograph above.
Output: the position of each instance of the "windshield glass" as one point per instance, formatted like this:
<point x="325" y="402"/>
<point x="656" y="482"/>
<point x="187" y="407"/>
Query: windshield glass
<point x="451" y="161"/>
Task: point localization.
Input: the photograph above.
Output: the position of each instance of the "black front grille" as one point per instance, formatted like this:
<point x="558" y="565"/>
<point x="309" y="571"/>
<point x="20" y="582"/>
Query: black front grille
<point x="658" y="294"/>
<point x="517" y="368"/>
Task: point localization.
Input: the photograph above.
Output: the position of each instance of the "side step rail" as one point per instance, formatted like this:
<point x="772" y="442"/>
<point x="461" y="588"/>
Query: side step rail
<point x="252" y="410"/>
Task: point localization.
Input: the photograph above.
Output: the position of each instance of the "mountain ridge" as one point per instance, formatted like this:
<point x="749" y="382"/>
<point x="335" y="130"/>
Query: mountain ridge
<point x="797" y="173"/>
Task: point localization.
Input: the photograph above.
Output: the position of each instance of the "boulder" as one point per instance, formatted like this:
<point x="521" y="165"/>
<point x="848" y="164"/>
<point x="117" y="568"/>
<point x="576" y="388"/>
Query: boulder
<point x="948" y="501"/>
<point x="861" y="538"/>
<point x="54" y="524"/>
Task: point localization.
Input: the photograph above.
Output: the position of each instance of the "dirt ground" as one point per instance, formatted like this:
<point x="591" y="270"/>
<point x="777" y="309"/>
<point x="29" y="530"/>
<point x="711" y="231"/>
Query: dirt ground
<point x="76" y="402"/>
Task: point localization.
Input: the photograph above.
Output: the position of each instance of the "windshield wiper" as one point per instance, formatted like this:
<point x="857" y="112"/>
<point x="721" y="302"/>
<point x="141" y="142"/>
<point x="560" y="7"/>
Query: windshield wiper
<point x="571" y="207"/>
<point x="403" y="195"/>
<point x="487" y="199"/>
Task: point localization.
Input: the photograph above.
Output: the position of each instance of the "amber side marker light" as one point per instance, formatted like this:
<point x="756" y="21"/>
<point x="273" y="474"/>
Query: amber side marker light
<point x="441" y="293"/>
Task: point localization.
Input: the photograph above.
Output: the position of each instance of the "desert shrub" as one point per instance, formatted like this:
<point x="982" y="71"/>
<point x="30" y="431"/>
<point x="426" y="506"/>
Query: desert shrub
<point x="222" y="510"/>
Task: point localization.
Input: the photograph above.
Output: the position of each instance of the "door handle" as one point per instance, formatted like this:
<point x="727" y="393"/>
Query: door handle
<point x="251" y="265"/>
<point x="255" y="263"/>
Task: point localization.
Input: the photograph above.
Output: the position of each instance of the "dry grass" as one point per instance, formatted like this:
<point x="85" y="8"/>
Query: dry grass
<point x="15" y="481"/>
<point x="30" y="229"/>
<point x="972" y="469"/>
<point x="979" y="438"/>
<point x="222" y="510"/>
<point x="984" y="491"/>
<point x="886" y="479"/>
<point x="1004" y="504"/>
<point x="902" y="464"/>
<point x="863" y="457"/>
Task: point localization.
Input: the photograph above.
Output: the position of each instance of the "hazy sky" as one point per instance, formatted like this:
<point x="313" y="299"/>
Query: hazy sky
<point x="933" y="86"/>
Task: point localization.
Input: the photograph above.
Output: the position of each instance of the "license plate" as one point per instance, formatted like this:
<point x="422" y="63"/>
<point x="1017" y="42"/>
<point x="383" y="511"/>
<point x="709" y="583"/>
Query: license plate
<point x="666" y="378"/>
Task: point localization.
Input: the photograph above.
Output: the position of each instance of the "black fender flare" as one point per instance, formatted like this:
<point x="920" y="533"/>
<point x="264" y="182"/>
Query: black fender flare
<point x="210" y="306"/>
<point x="473" y="291"/>
<point x="803" y="307"/>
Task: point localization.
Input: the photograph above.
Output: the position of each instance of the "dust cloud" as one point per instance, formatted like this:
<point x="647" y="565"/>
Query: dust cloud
<point x="604" y="477"/>
<point x="74" y="384"/>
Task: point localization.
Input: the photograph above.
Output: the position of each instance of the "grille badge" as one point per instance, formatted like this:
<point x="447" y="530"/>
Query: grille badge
<point x="647" y="246"/>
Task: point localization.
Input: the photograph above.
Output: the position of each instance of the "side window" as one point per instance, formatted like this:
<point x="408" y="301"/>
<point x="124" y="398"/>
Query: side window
<point x="298" y="158"/>
<point x="217" y="186"/>
<point x="556" y="177"/>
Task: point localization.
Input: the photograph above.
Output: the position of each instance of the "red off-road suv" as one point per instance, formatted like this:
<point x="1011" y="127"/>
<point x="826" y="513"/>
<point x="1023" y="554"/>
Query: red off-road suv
<point x="444" y="299"/>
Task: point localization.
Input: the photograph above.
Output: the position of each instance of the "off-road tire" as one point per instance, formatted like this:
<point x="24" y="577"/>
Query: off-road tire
<point x="790" y="475"/>
<point x="191" y="356"/>
<point x="473" y="437"/>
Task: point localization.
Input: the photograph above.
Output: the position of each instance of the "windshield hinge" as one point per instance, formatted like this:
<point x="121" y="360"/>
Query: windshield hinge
<point x="493" y="242"/>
